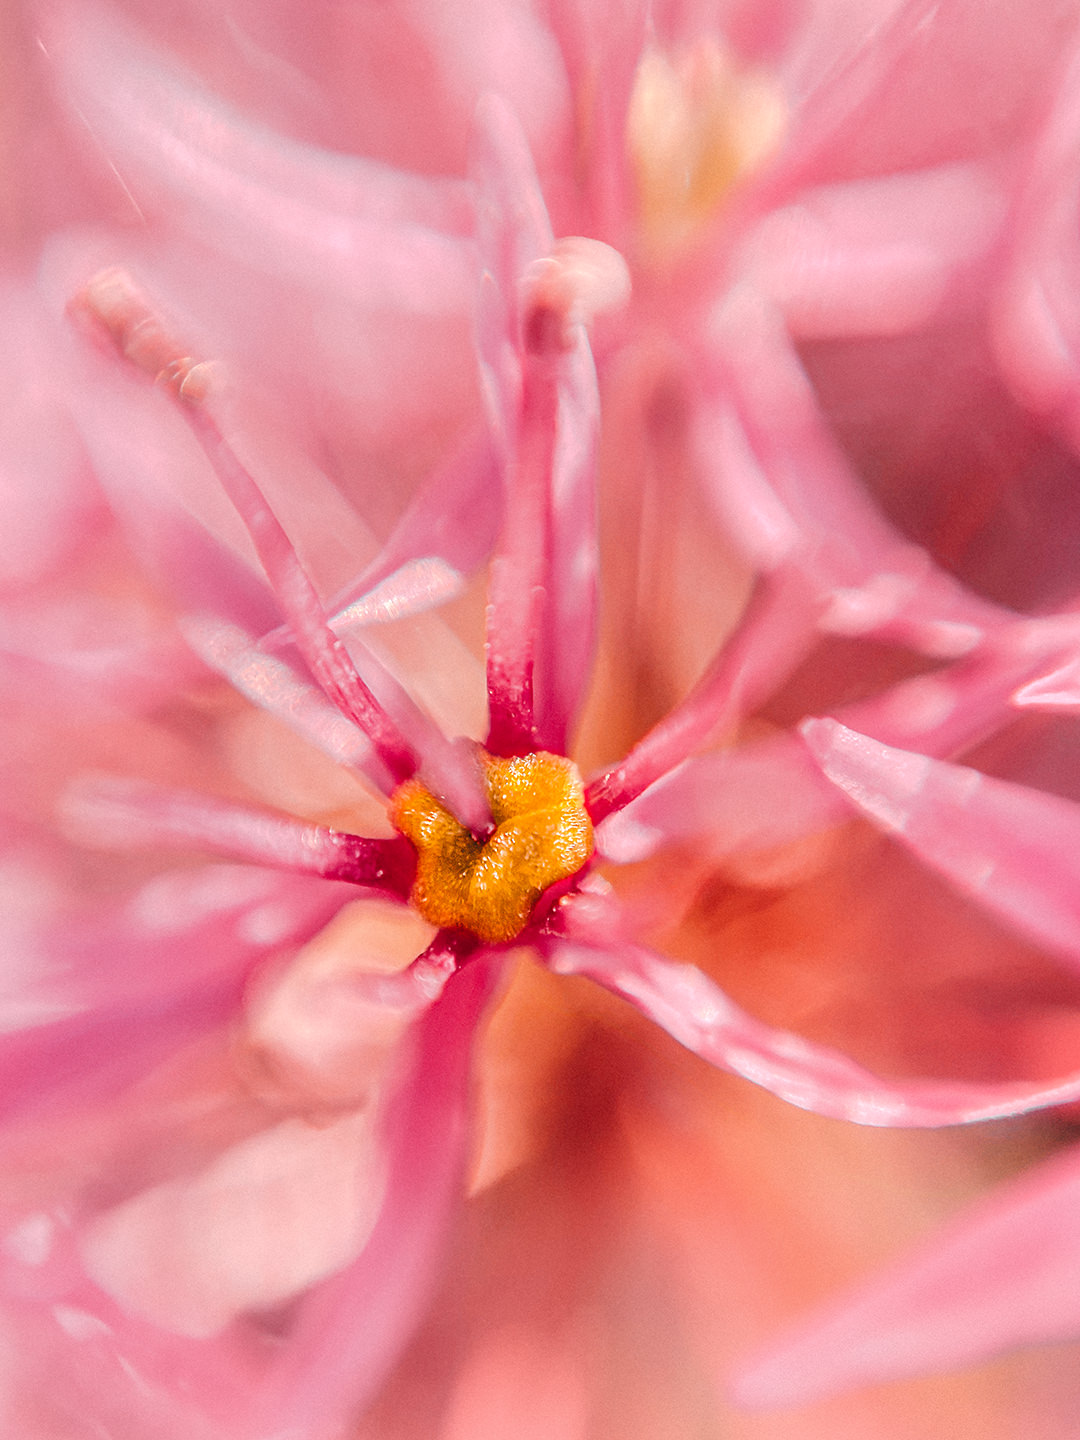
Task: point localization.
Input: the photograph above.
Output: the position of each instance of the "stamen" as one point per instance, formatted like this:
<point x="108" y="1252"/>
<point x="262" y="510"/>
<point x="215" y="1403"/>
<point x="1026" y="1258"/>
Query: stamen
<point x="489" y="886"/>
<point x="579" y="280"/>
<point x="139" y="334"/>
<point x="516" y="588"/>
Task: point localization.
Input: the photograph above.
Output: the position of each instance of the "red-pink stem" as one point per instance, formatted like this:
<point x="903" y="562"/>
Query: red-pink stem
<point x="519" y="572"/>
<point x="324" y="653"/>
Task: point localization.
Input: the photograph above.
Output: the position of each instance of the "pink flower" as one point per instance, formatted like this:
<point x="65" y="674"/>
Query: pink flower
<point x="797" y="523"/>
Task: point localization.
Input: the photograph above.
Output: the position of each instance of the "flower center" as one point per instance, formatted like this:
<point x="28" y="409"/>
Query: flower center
<point x="697" y="124"/>
<point x="542" y="834"/>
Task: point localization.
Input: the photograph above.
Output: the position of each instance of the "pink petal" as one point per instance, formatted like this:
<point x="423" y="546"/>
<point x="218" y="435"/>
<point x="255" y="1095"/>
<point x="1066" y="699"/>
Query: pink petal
<point x="513" y="232"/>
<point x="878" y="256"/>
<point x="954" y="708"/>
<point x="1006" y="1273"/>
<point x="777" y="631"/>
<point x="892" y="87"/>
<point x="371" y="233"/>
<point x="326" y="1356"/>
<point x="805" y="505"/>
<point x="111" y="651"/>
<point x="324" y="654"/>
<point x="49" y="503"/>
<point x="1058" y="690"/>
<point x="444" y="536"/>
<point x="277" y="686"/>
<point x="173" y="933"/>
<point x="351" y="1328"/>
<point x="168" y="965"/>
<point x="748" y="797"/>
<point x="730" y="799"/>
<point x="685" y="1002"/>
<point x="1013" y="850"/>
<point x="1038" y="322"/>
<point x="115" y="812"/>
<point x="147" y="468"/>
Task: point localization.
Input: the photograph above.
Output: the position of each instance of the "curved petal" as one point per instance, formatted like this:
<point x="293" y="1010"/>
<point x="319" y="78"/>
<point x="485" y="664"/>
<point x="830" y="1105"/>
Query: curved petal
<point x="1005" y="1273"/>
<point x="804" y="504"/>
<point x="447" y="531"/>
<point x="377" y="236"/>
<point x="729" y="798"/>
<point x="182" y="928"/>
<point x="877" y="256"/>
<point x="775" y="633"/>
<point x="275" y="685"/>
<point x="1013" y="850"/>
<point x="321" y="1359"/>
<point x="749" y="797"/>
<point x="685" y="1002"/>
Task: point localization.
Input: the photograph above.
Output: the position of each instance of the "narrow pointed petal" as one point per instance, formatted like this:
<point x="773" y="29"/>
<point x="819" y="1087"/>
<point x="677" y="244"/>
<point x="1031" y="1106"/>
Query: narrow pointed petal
<point x="278" y="687"/>
<point x="445" y="534"/>
<point x="1013" y="850"/>
<point x="1005" y="1273"/>
<point x="416" y="586"/>
<point x="731" y="798"/>
<point x="685" y="1002"/>
<point x="112" y="811"/>
<point x="1056" y="691"/>
<point x="777" y="631"/>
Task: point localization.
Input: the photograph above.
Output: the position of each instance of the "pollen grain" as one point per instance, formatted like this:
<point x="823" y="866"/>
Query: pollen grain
<point x="489" y="886"/>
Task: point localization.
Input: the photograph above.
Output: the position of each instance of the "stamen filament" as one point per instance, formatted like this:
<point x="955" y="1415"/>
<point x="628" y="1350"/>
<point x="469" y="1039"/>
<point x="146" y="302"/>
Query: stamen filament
<point x="141" y="338"/>
<point x="740" y="676"/>
<point x="517" y="591"/>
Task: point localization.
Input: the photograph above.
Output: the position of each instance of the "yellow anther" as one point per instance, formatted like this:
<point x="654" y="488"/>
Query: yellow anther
<point x="695" y="126"/>
<point x="542" y="834"/>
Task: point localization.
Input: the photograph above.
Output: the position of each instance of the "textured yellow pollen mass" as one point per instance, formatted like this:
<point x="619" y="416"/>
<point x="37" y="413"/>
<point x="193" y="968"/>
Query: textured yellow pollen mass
<point x="542" y="834"/>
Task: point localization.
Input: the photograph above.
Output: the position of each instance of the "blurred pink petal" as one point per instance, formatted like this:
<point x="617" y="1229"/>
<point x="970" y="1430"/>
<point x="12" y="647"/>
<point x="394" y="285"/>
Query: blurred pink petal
<point x="334" y="1365"/>
<point x="382" y="237"/>
<point x="878" y="583"/>
<point x="1003" y="1274"/>
<point x="877" y="256"/>
<point x="685" y="1003"/>
<point x="1011" y="849"/>
<point x="107" y="810"/>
